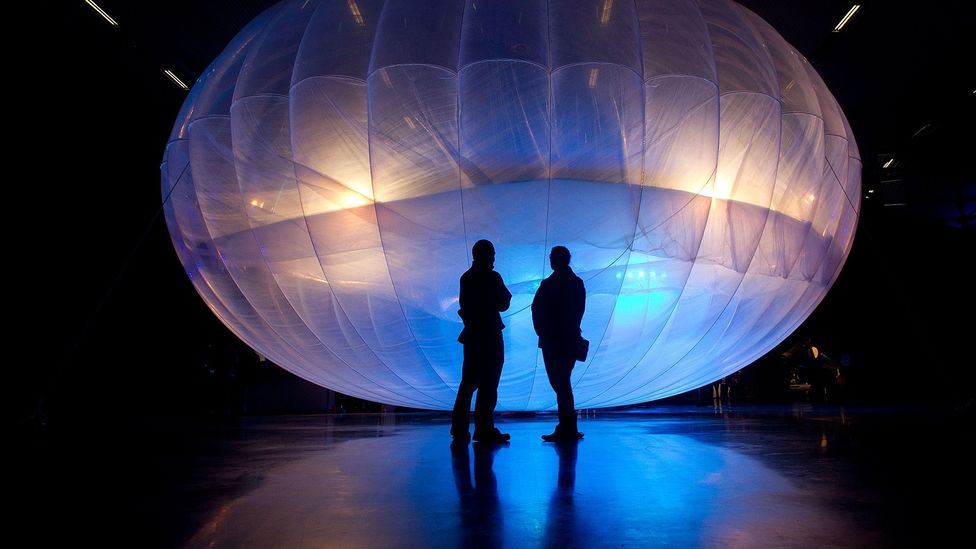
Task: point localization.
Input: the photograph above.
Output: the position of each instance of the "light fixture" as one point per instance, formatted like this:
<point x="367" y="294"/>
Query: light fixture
<point x="888" y="163"/>
<point x="101" y="12"/>
<point x="175" y="80"/>
<point x="847" y="17"/>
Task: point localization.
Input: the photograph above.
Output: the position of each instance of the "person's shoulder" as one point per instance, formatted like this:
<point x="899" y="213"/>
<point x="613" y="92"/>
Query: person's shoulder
<point x="469" y="275"/>
<point x="544" y="283"/>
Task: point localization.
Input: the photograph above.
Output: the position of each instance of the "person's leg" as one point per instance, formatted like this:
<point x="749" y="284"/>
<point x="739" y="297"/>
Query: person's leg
<point x="559" y="366"/>
<point x="564" y="397"/>
<point x="461" y="416"/>
<point x="491" y="362"/>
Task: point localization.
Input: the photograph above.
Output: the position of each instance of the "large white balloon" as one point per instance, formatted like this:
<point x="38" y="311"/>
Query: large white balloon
<point x="333" y="166"/>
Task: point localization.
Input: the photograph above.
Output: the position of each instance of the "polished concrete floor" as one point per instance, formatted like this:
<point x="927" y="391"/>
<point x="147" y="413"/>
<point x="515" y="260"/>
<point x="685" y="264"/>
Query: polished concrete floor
<point x="784" y="476"/>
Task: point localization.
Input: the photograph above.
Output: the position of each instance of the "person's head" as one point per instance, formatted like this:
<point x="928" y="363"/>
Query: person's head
<point x="559" y="257"/>
<point x="483" y="253"/>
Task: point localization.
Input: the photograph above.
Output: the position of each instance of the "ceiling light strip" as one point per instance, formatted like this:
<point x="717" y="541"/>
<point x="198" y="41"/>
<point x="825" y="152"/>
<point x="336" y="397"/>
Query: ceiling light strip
<point x="101" y="12"/>
<point x="175" y="80"/>
<point x="847" y="17"/>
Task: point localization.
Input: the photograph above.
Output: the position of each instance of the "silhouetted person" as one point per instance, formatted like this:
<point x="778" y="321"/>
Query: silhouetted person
<point x="557" y="311"/>
<point x="483" y="296"/>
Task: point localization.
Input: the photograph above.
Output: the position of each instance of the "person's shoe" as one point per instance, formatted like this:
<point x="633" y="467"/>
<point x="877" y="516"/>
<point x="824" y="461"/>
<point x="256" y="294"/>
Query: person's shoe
<point x="493" y="437"/>
<point x="463" y="436"/>
<point x="556" y="436"/>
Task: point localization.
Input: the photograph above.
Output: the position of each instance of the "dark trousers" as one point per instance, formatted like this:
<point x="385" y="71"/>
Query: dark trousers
<point x="559" y="366"/>
<point x="482" y="368"/>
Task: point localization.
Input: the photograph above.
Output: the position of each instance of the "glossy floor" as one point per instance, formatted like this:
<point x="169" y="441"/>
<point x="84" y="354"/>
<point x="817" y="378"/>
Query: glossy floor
<point x="682" y="477"/>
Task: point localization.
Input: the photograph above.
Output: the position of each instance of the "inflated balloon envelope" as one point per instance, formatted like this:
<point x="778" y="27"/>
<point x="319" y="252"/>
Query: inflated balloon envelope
<point x="331" y="169"/>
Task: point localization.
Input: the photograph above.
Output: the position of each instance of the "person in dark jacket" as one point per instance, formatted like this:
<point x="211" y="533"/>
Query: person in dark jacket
<point x="557" y="311"/>
<point x="483" y="296"/>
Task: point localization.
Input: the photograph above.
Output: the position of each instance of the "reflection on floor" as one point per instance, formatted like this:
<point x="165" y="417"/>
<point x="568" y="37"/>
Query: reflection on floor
<point x="684" y="477"/>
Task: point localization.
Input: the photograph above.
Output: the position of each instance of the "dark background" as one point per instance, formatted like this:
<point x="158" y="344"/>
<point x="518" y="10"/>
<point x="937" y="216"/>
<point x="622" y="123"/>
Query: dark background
<point x="113" y="326"/>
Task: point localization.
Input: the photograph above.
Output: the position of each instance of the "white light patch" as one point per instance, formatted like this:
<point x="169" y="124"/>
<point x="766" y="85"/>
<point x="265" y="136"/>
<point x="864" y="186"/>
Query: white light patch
<point x="175" y="80"/>
<point x="102" y="12"/>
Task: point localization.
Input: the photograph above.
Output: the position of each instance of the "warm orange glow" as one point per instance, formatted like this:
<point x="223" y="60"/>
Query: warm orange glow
<point x="386" y="78"/>
<point x="605" y="15"/>
<point x="594" y="73"/>
<point x="356" y="14"/>
<point x="352" y="200"/>
<point x="722" y="189"/>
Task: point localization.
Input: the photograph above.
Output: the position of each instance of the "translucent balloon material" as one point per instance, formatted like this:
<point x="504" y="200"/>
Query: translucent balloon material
<point x="332" y="168"/>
